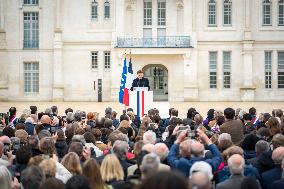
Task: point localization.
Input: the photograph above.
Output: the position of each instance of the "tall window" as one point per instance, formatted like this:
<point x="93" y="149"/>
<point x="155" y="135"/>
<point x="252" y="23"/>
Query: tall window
<point x="161" y="12"/>
<point x="227" y="69"/>
<point x="95" y="60"/>
<point x="147" y="12"/>
<point x="107" y="59"/>
<point x="227" y="13"/>
<point x="281" y="13"/>
<point x="107" y="9"/>
<point x="268" y="68"/>
<point x="266" y="12"/>
<point x="30" y="2"/>
<point x="213" y="69"/>
<point x="280" y="69"/>
<point x="31" y="77"/>
<point x="31" y="33"/>
<point x="212" y="13"/>
<point x="94" y="10"/>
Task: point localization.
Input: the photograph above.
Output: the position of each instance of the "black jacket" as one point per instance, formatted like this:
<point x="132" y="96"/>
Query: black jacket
<point x="144" y="82"/>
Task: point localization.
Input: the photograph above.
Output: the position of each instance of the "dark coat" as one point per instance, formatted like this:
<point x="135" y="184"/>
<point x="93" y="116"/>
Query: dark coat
<point x="264" y="162"/>
<point x="235" y="129"/>
<point x="144" y="82"/>
<point x="270" y="176"/>
<point x="277" y="184"/>
<point x="29" y="128"/>
<point x="234" y="182"/>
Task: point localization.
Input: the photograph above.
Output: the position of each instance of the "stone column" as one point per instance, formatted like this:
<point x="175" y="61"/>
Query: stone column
<point x="58" y="86"/>
<point x="190" y="77"/>
<point x="2" y="26"/>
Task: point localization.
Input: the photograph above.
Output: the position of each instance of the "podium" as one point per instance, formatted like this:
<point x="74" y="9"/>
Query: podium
<point x="141" y="100"/>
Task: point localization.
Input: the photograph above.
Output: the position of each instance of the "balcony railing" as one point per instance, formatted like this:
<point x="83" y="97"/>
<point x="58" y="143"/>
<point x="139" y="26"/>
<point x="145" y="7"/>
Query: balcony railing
<point x="159" y="42"/>
<point x="30" y="44"/>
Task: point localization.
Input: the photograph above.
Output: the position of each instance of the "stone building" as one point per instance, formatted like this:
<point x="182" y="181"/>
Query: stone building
<point x="191" y="50"/>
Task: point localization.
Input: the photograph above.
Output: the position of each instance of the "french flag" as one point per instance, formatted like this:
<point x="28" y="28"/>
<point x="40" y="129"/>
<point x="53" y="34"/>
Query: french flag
<point x="139" y="105"/>
<point x="128" y="83"/>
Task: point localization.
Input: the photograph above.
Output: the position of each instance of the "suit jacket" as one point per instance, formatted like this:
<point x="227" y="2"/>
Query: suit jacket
<point x="277" y="184"/>
<point x="234" y="182"/>
<point x="235" y="129"/>
<point x="144" y="82"/>
<point x="270" y="176"/>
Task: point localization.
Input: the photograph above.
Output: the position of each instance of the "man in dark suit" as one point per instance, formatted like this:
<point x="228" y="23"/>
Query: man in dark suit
<point x="140" y="81"/>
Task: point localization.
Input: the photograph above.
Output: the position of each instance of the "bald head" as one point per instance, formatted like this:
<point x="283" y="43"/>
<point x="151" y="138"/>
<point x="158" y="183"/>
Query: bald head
<point x="197" y="149"/>
<point x="184" y="148"/>
<point x="236" y="164"/>
<point x="278" y="155"/>
<point x="148" y="147"/>
<point x="5" y="139"/>
<point x="200" y="180"/>
<point x="45" y="119"/>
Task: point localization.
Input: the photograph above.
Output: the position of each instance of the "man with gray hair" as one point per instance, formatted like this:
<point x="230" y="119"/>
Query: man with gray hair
<point x="150" y="164"/>
<point x="236" y="165"/>
<point x="149" y="137"/>
<point x="274" y="174"/>
<point x="260" y="147"/>
<point x="120" y="149"/>
<point x="200" y="180"/>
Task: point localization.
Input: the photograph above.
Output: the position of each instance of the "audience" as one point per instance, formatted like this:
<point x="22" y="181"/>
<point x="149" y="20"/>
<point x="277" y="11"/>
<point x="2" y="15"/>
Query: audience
<point x="229" y="149"/>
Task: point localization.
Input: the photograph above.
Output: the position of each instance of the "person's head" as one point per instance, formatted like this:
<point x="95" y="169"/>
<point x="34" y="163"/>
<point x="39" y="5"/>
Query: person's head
<point x="71" y="162"/>
<point x="250" y="183"/>
<point x="149" y="137"/>
<point x="45" y="119"/>
<point x="76" y="147"/>
<point x="277" y="141"/>
<point x="33" y="109"/>
<point x="47" y="146"/>
<point x="249" y="142"/>
<point x="89" y="137"/>
<point x="120" y="149"/>
<point x="54" y="110"/>
<point x="198" y="119"/>
<point x="199" y="180"/>
<point x="9" y="132"/>
<point x="201" y="166"/>
<point x="278" y="155"/>
<point x="12" y="111"/>
<point x="23" y="155"/>
<point x="116" y="135"/>
<point x="252" y="111"/>
<point x="273" y="125"/>
<point x="97" y="134"/>
<point x="229" y="113"/>
<point x="22" y="135"/>
<point x="68" y="110"/>
<point x="150" y="164"/>
<point x="79" y="138"/>
<point x="91" y="170"/>
<point x="224" y="141"/>
<point x="184" y="148"/>
<point x="197" y="149"/>
<point x="43" y="133"/>
<point x="247" y="117"/>
<point x="32" y="177"/>
<point x="164" y="180"/>
<point x="148" y="148"/>
<point x="5" y="178"/>
<point x="78" y="182"/>
<point x="190" y="113"/>
<point x="210" y="114"/>
<point x="261" y="147"/>
<point x="161" y="150"/>
<point x="111" y="169"/>
<point x="70" y="117"/>
<point x="265" y="117"/>
<point x="52" y="183"/>
<point x="231" y="151"/>
<point x="174" y="112"/>
<point x="236" y="164"/>
<point x="279" y="113"/>
<point x="33" y="142"/>
<point x="140" y="74"/>
<point x="48" y="166"/>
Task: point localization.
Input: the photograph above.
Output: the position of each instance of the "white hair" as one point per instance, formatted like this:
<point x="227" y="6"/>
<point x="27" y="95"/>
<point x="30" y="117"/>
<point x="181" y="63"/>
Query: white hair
<point x="161" y="150"/>
<point x="149" y="137"/>
<point x="5" y="178"/>
<point x="150" y="163"/>
<point x="224" y="136"/>
<point x="201" y="166"/>
<point x="236" y="164"/>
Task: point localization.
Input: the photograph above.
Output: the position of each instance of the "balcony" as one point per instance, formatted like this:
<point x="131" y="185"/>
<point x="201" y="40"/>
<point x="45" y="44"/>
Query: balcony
<point x="30" y="44"/>
<point x="159" y="42"/>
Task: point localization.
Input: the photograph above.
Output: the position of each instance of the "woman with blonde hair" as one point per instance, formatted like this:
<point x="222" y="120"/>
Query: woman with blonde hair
<point x="71" y="162"/>
<point x="91" y="170"/>
<point x="111" y="170"/>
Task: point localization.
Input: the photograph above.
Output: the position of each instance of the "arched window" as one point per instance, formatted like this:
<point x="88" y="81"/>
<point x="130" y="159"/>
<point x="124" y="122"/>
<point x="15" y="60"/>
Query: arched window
<point x="266" y="13"/>
<point x="227" y="13"/>
<point x="212" y="13"/>
<point x="281" y="13"/>
<point x="107" y="9"/>
<point x="94" y="15"/>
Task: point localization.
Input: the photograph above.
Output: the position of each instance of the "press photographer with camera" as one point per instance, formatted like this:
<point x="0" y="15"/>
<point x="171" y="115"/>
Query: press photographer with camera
<point x="197" y="147"/>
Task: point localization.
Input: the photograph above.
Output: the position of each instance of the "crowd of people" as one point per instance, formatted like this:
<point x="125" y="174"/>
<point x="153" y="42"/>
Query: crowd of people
<point x="230" y="149"/>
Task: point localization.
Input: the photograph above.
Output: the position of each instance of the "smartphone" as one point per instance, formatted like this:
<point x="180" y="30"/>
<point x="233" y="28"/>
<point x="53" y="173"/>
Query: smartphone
<point x="183" y="128"/>
<point x="191" y="134"/>
<point x="7" y="148"/>
<point x="83" y="119"/>
<point x="51" y="117"/>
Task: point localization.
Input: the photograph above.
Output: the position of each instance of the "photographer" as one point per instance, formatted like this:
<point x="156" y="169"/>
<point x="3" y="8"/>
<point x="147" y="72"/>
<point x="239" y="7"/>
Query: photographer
<point x="6" y="156"/>
<point x="197" y="152"/>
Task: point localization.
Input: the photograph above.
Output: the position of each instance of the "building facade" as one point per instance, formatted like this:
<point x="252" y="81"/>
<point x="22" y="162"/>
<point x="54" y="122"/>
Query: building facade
<point x="191" y="50"/>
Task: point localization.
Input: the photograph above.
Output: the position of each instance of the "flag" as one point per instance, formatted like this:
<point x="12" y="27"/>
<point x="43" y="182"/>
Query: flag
<point x="128" y="84"/>
<point x="122" y="81"/>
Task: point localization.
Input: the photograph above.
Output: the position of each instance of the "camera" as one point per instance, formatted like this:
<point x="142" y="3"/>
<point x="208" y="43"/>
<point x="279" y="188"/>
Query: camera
<point x="7" y="148"/>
